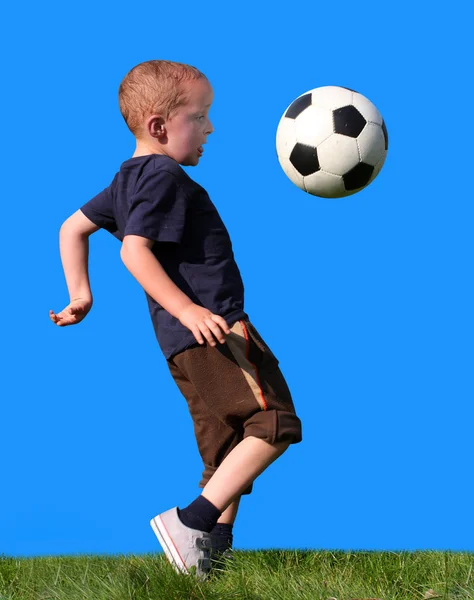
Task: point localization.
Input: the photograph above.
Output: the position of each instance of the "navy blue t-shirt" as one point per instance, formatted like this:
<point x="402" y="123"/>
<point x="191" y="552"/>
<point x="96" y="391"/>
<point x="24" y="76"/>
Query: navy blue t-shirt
<point x="153" y="197"/>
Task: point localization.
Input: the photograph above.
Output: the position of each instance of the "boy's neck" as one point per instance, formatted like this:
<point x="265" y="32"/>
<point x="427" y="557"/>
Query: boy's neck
<point x="143" y="149"/>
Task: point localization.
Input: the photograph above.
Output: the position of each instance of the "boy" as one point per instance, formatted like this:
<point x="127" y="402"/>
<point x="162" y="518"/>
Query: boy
<point x="177" y="247"/>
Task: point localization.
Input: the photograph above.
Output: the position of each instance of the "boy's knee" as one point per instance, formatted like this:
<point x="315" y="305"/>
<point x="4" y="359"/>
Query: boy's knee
<point x="274" y="426"/>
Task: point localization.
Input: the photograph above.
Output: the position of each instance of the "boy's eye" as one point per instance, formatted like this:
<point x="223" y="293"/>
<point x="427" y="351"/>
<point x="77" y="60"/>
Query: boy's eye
<point x="201" y="117"/>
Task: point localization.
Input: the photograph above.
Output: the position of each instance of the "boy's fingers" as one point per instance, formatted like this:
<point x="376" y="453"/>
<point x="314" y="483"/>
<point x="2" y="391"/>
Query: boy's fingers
<point x="222" y="323"/>
<point x="213" y="329"/>
<point x="225" y="326"/>
<point x="65" y="322"/>
<point x="197" y="334"/>
<point x="64" y="319"/>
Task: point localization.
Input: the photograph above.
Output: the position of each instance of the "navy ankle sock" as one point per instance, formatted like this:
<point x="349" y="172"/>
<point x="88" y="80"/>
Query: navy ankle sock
<point x="224" y="531"/>
<point x="200" y="514"/>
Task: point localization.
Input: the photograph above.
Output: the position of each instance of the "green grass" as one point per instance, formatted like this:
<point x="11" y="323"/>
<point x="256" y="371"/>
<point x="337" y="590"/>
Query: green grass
<point x="255" y="575"/>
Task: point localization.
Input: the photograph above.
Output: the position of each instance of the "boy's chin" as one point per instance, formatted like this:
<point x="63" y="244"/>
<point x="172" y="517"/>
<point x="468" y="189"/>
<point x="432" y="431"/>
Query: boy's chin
<point x="190" y="161"/>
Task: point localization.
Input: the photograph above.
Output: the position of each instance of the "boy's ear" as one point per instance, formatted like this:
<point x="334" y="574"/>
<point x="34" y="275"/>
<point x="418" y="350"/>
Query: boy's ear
<point x="156" y="126"/>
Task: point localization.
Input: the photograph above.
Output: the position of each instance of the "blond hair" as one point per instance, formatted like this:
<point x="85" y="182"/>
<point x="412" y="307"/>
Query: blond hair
<point x="154" y="87"/>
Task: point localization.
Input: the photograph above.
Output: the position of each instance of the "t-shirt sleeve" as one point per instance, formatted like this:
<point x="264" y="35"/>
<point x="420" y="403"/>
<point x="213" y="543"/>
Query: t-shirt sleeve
<point x="157" y="208"/>
<point x="100" y="210"/>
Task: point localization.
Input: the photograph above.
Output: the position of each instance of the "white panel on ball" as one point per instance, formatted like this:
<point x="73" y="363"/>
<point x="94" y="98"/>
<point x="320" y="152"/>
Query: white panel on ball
<point x="338" y="154"/>
<point x="286" y="138"/>
<point x="325" y="185"/>
<point x="291" y="172"/>
<point x="313" y="126"/>
<point x="366" y="108"/>
<point x="331" y="97"/>
<point x="371" y="144"/>
<point x="378" y="166"/>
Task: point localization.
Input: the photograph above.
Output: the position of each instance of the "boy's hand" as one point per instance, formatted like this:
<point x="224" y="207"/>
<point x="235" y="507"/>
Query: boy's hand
<point x="201" y="322"/>
<point x="74" y="312"/>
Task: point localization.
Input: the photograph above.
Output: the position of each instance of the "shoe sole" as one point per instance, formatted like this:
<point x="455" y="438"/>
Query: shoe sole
<point x="167" y="544"/>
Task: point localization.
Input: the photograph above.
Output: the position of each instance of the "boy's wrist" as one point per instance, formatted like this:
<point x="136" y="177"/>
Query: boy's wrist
<point x="183" y="306"/>
<point x="86" y="296"/>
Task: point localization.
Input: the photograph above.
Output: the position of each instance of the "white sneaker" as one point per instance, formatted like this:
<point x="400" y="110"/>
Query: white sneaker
<point x="184" y="547"/>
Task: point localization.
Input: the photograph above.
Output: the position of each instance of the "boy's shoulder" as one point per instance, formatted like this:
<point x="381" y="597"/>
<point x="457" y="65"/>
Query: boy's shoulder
<point x="154" y="165"/>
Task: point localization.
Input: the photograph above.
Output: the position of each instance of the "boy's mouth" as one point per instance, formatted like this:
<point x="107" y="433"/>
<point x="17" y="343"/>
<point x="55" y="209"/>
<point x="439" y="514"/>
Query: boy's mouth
<point x="200" y="149"/>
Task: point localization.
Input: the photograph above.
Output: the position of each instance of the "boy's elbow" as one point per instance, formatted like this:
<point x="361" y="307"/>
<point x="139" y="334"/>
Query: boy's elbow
<point x="132" y="244"/>
<point x="127" y="254"/>
<point x="79" y="224"/>
<point x="123" y="254"/>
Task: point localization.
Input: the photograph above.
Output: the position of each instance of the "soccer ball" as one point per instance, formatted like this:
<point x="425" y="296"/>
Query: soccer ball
<point x="331" y="142"/>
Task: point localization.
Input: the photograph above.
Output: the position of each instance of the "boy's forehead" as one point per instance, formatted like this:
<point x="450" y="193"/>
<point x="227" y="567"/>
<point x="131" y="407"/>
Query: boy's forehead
<point x="200" y="92"/>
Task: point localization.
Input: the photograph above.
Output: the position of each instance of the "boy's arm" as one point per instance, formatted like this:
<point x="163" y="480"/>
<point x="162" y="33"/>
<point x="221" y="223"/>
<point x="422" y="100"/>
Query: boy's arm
<point x="137" y="256"/>
<point x="74" y="249"/>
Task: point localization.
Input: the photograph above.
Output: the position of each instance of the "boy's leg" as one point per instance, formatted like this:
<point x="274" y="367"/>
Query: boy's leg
<point x="229" y="514"/>
<point x="215" y="439"/>
<point x="239" y="469"/>
<point x="241" y="384"/>
<point x="244" y="419"/>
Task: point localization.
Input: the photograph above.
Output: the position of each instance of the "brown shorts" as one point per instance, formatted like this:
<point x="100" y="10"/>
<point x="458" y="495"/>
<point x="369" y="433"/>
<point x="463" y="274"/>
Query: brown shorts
<point x="234" y="390"/>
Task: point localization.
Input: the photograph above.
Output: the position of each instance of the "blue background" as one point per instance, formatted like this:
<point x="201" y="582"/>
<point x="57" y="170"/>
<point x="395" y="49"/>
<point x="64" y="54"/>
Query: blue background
<point x="366" y="301"/>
